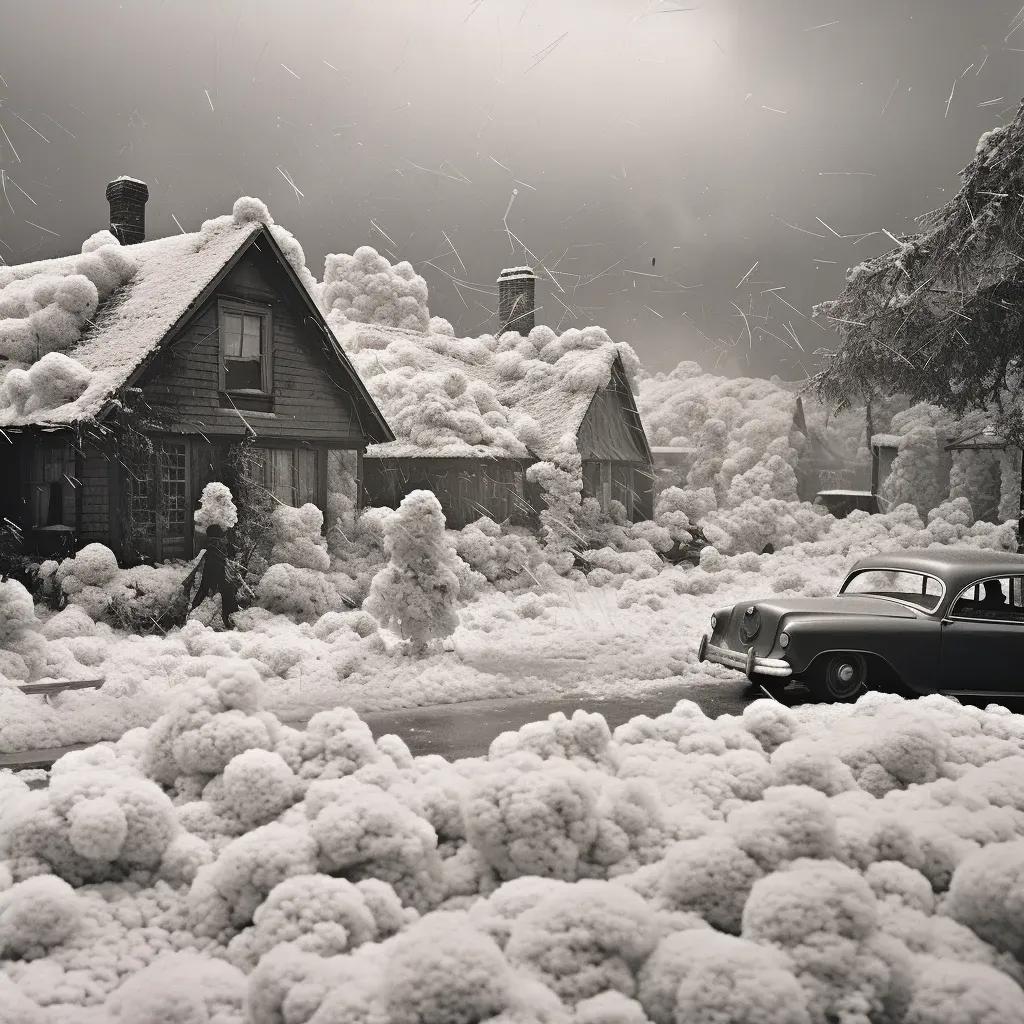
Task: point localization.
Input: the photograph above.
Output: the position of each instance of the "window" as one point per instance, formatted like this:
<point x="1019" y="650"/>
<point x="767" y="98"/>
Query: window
<point x="896" y="584"/>
<point x="173" y="463"/>
<point x="290" y="474"/>
<point x="52" y="487"/>
<point x="244" y="348"/>
<point x="996" y="600"/>
<point x="156" y="509"/>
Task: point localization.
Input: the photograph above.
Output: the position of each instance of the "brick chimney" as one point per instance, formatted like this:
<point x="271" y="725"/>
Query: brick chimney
<point x="516" y="300"/>
<point x="127" y="198"/>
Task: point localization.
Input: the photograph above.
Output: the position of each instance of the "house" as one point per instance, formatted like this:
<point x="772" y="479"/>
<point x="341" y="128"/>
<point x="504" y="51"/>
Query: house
<point x="203" y="347"/>
<point x="472" y="457"/>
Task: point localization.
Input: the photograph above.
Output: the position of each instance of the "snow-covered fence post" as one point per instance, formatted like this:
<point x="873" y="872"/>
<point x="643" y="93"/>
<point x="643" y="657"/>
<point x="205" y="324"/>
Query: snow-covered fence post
<point x="415" y="593"/>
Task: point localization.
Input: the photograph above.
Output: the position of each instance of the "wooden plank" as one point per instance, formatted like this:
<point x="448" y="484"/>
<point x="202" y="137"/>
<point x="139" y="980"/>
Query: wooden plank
<point x="45" y="758"/>
<point x="59" y="685"/>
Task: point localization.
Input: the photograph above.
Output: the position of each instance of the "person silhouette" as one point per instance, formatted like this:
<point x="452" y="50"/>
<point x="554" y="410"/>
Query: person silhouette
<point x="215" y="578"/>
<point x="994" y="596"/>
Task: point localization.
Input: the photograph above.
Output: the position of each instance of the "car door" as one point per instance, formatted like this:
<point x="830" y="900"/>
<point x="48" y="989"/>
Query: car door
<point x="983" y="638"/>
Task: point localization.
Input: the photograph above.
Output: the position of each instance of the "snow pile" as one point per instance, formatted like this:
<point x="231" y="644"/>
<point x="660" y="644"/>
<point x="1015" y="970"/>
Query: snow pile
<point x="216" y="508"/>
<point x="921" y="470"/>
<point x="415" y="593"/>
<point x="366" y="288"/>
<point x="50" y="383"/>
<point x="23" y="651"/>
<point x="733" y="425"/>
<point x="48" y="312"/>
<point x="858" y="863"/>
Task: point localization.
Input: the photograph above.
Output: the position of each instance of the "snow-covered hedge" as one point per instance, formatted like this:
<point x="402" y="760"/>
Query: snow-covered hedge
<point x="800" y="866"/>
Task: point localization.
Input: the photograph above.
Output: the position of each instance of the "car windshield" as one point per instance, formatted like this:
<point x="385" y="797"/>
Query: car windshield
<point x="904" y="585"/>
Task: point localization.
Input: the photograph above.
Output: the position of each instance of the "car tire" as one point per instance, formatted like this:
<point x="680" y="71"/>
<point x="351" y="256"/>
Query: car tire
<point x="839" y="678"/>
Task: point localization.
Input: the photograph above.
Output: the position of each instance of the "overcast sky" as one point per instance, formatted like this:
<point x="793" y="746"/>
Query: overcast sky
<point x="706" y="135"/>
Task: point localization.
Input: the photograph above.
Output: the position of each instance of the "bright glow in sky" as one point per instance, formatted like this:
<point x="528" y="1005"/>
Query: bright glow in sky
<point x="731" y="143"/>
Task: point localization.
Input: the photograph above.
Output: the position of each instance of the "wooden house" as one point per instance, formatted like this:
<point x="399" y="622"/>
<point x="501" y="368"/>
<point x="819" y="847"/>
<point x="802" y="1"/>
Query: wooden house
<point x="214" y="345"/>
<point x="595" y="411"/>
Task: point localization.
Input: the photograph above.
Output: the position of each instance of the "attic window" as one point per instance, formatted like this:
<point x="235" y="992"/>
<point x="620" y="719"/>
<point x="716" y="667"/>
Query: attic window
<point x="244" y="349"/>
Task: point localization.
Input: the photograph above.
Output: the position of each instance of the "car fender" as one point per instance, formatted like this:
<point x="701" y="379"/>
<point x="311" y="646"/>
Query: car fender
<point x="905" y="649"/>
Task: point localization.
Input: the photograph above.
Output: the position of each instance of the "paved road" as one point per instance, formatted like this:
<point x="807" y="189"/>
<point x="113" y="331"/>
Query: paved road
<point x="467" y="729"/>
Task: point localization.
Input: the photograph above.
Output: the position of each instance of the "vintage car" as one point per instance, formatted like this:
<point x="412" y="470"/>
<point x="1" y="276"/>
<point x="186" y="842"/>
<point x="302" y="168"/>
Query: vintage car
<point x="938" y="620"/>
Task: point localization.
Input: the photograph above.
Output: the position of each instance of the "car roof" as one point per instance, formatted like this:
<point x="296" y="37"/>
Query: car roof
<point x="956" y="566"/>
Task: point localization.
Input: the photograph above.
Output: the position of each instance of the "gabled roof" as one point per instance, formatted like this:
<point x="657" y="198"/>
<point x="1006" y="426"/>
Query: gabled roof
<point x="174" y="278"/>
<point x="554" y="393"/>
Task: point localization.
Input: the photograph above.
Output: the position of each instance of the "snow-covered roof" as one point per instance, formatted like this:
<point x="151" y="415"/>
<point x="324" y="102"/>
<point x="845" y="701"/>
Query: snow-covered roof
<point x="486" y="397"/>
<point x="74" y="330"/>
<point x="170" y="273"/>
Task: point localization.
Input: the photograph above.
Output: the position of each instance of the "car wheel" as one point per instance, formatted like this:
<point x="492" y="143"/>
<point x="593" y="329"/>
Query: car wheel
<point x="840" y="678"/>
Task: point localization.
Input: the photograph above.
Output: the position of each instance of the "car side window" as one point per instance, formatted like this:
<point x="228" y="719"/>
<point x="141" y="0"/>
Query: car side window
<point x="999" y="599"/>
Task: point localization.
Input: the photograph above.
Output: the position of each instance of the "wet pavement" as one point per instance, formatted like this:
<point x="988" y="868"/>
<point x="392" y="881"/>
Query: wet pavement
<point x="467" y="729"/>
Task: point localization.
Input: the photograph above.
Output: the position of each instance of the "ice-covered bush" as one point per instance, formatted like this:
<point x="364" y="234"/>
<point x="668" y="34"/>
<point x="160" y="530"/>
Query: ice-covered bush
<point x="304" y="594"/>
<point x="496" y="554"/>
<point x="415" y="593"/>
<point x="561" y="484"/>
<point x="22" y="645"/>
<point x="799" y="866"/>
<point x="298" y="538"/>
<point x="920" y="473"/>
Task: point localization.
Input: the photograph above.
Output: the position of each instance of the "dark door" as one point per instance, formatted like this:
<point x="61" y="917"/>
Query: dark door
<point x="983" y="639"/>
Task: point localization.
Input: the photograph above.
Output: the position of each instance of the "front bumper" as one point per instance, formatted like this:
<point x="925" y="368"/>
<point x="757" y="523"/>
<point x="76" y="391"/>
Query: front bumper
<point x="747" y="663"/>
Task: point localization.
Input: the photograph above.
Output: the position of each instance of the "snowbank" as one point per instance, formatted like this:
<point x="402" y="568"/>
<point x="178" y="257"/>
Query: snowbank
<point x="858" y="863"/>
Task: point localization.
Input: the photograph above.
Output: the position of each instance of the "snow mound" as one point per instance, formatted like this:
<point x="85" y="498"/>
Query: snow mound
<point x="366" y="288"/>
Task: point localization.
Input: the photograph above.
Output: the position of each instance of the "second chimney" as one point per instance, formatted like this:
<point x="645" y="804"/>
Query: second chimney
<point x="127" y="198"/>
<point x="516" y="300"/>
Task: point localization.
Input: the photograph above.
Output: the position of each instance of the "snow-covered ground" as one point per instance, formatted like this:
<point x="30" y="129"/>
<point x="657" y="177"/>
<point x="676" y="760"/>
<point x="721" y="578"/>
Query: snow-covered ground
<point x="780" y="867"/>
<point x="627" y="637"/>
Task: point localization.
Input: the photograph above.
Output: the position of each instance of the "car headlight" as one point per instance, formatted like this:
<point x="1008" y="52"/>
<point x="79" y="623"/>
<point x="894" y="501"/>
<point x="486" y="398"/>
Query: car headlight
<point x="714" y="622"/>
<point x="783" y="639"/>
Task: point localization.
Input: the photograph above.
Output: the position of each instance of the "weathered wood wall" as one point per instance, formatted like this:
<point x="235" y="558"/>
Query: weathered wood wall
<point x="310" y="400"/>
<point x="466" y="488"/>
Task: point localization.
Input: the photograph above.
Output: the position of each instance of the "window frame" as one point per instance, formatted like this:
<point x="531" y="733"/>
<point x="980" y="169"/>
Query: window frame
<point x="975" y="587"/>
<point x="241" y="308"/>
<point x="151" y="506"/>
<point x="924" y="574"/>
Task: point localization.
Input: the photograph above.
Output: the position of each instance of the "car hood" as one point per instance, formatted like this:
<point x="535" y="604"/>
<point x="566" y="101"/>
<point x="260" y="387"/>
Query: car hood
<point x="774" y="608"/>
<point x="772" y="612"/>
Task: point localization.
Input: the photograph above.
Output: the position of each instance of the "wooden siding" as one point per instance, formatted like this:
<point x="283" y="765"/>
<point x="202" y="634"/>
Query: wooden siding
<point x="466" y="488"/>
<point x="611" y="428"/>
<point x="310" y="400"/>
